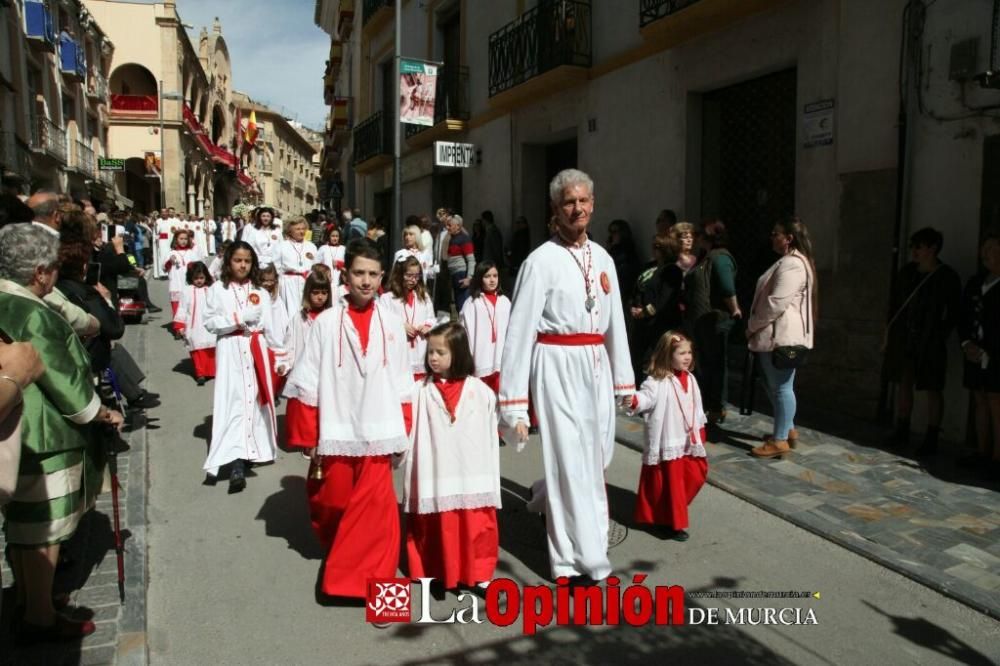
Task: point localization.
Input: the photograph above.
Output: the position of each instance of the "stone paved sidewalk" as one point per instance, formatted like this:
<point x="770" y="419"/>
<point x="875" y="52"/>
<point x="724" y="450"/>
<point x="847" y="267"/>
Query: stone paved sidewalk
<point x="92" y="577"/>
<point x="929" y="524"/>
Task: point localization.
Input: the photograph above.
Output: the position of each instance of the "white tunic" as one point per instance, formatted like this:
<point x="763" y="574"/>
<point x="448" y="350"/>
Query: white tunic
<point x="261" y="240"/>
<point x="293" y="262"/>
<point x="453" y="465"/>
<point x="333" y="257"/>
<point x="229" y="230"/>
<point x="358" y="394"/>
<point x="279" y="317"/>
<point x="164" y="229"/>
<point x="419" y="314"/>
<point x="668" y="412"/>
<point x="177" y="271"/>
<point x="486" y="325"/>
<point x="294" y="341"/>
<point x="191" y="313"/>
<point x="573" y="389"/>
<point x="215" y="268"/>
<point x="210" y="229"/>
<point x="242" y="428"/>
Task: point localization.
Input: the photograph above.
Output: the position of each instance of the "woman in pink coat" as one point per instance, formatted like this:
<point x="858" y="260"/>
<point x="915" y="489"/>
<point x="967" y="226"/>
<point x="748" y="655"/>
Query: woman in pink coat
<point x="782" y="318"/>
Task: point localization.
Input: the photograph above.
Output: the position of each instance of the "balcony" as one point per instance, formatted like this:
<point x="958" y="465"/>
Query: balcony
<point x="134" y="105"/>
<point x="38" y="25"/>
<point x="12" y="155"/>
<point x="221" y="155"/>
<point x="245" y="181"/>
<point x="375" y="15"/>
<point x="672" y="22"/>
<point x="451" y="108"/>
<point x="345" y="19"/>
<point x="48" y="139"/>
<point x="82" y="159"/>
<point x="300" y="184"/>
<point x="72" y="61"/>
<point x="546" y="49"/>
<point x="97" y="87"/>
<point x="372" y="143"/>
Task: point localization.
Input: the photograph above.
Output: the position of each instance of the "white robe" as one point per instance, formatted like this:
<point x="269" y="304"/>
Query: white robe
<point x="262" y="240"/>
<point x="573" y="389"/>
<point x="192" y="313"/>
<point x="294" y="342"/>
<point x="420" y="314"/>
<point x="666" y="421"/>
<point x="177" y="273"/>
<point x="163" y="230"/>
<point x="453" y="465"/>
<point x="359" y="394"/>
<point x="242" y="428"/>
<point x="333" y="257"/>
<point x="279" y="317"/>
<point x="293" y="262"/>
<point x="229" y="230"/>
<point x="210" y="229"/>
<point x="215" y="268"/>
<point x="483" y="322"/>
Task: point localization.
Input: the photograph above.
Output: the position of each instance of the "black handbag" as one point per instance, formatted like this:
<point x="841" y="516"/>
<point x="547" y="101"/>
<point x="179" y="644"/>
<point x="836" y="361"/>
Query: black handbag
<point x="789" y="357"/>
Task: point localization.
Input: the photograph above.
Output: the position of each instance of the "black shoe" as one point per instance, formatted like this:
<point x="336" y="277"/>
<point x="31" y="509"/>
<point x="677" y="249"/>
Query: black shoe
<point x="210" y="480"/>
<point x="900" y="437"/>
<point x="680" y="535"/>
<point x="200" y="381"/>
<point x="152" y="309"/>
<point x="237" y="478"/>
<point x="145" y="400"/>
<point x="581" y="580"/>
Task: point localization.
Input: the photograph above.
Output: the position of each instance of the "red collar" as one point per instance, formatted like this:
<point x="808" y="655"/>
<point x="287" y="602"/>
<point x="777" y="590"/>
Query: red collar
<point x="491" y="296"/>
<point x="363" y="309"/>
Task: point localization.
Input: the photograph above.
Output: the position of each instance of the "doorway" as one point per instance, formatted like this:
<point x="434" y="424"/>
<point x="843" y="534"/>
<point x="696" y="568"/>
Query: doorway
<point x="446" y="192"/>
<point x="558" y="156"/>
<point x="748" y="167"/>
<point x="989" y="211"/>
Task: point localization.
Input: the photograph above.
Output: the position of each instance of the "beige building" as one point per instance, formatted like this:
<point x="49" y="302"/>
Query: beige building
<point x="54" y="62"/>
<point x="284" y="162"/>
<point x="172" y="116"/>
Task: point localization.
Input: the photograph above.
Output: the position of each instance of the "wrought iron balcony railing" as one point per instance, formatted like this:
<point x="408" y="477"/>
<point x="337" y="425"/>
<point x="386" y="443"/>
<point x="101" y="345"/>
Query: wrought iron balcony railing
<point x="551" y="34"/>
<point x="371" y="7"/>
<point x="451" y="98"/>
<point x="48" y="138"/>
<point x="372" y="137"/>
<point x="654" y="10"/>
<point x="97" y="86"/>
<point x="83" y="158"/>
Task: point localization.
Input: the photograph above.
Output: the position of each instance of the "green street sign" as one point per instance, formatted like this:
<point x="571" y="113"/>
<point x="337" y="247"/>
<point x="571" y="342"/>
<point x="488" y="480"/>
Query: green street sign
<point x="110" y="164"/>
<point x="417" y="67"/>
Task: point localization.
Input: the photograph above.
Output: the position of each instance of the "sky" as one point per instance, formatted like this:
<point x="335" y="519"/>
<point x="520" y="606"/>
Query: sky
<point x="277" y="52"/>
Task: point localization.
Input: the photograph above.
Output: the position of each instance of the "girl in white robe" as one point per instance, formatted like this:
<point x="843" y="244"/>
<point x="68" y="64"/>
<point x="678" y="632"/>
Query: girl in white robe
<point x="485" y="316"/>
<point x="413" y="247"/>
<point x="190" y="322"/>
<point x="332" y="255"/>
<point x="293" y="258"/>
<point x="407" y="297"/>
<point x="270" y="282"/>
<point x="182" y="253"/>
<point x="451" y="479"/>
<point x="244" y="428"/>
<point x="262" y="235"/>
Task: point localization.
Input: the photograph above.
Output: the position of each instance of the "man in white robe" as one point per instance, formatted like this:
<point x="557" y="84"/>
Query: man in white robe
<point x="566" y="346"/>
<point x="164" y="234"/>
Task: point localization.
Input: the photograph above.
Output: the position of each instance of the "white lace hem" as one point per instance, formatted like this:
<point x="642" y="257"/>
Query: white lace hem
<point x="452" y="503"/>
<point x="306" y="398"/>
<point x="358" y="449"/>
<point x="657" y="456"/>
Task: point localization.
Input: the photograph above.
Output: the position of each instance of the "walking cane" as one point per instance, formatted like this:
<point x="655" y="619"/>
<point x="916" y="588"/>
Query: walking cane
<point x="748" y="389"/>
<point x="113" y="469"/>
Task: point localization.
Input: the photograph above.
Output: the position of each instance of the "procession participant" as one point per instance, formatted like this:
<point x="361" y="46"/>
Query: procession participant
<point x="332" y="255"/>
<point x="189" y="321"/>
<point x="451" y="482"/>
<point x="413" y="247"/>
<point x="300" y="420"/>
<point x="674" y="462"/>
<point x="485" y="316"/>
<point x="229" y="229"/>
<point x="262" y="234"/>
<point x="270" y="282"/>
<point x="181" y="254"/>
<point x="215" y="267"/>
<point x="407" y="298"/>
<point x="164" y="231"/>
<point x="293" y="258"/>
<point x="355" y="367"/>
<point x="210" y="228"/>
<point x="566" y="343"/>
<point x="238" y="313"/>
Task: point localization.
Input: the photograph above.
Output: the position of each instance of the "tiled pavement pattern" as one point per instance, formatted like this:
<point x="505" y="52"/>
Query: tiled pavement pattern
<point x="929" y="524"/>
<point x="92" y="576"/>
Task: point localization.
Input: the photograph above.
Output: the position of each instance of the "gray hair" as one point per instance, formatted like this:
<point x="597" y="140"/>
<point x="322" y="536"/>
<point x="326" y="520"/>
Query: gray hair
<point x="457" y="219"/>
<point x="23" y="248"/>
<point x="45" y="208"/>
<point x="568" y="178"/>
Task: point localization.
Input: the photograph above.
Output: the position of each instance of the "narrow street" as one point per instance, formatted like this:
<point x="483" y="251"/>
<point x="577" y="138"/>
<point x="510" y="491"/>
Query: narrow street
<point x="232" y="578"/>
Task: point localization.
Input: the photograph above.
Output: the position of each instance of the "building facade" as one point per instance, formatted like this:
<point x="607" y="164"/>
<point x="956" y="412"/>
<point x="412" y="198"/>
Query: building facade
<point x="743" y="111"/>
<point x="54" y="64"/>
<point x="172" y="116"/>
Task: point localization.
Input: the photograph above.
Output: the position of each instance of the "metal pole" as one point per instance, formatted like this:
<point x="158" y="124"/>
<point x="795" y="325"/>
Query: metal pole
<point x="163" y="185"/>
<point x="396" y="224"/>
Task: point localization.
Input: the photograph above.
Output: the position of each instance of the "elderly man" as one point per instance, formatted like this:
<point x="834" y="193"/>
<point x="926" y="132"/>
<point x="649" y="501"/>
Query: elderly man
<point x="566" y="346"/>
<point x="461" y="259"/>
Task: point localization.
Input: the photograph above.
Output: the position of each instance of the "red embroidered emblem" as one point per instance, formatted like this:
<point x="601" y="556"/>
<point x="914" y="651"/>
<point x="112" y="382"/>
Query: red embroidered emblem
<point x="254" y="299"/>
<point x="605" y="283"/>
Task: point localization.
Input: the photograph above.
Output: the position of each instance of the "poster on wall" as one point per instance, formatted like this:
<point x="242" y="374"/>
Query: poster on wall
<point x="417" y="87"/>
<point x="817" y="123"/>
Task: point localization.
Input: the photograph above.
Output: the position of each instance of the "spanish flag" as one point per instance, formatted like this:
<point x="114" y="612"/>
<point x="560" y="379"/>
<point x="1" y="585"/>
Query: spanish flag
<point x="250" y="135"/>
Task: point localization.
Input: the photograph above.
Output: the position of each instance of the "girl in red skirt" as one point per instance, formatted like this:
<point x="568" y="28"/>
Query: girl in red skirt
<point x="301" y="426"/>
<point x="674" y="466"/>
<point x="189" y="321"/>
<point x="182" y="254"/>
<point x="485" y="316"/>
<point x="451" y="482"/>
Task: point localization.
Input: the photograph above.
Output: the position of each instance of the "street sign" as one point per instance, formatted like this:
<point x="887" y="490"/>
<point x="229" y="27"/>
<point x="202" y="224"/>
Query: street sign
<point x="417" y="92"/>
<point x="110" y="164"/>
<point x="451" y="154"/>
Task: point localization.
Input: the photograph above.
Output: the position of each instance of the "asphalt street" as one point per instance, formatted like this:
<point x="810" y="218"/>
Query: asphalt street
<point x="232" y="578"/>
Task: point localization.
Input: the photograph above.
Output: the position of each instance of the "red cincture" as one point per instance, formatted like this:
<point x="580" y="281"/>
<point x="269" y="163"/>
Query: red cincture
<point x="411" y="315"/>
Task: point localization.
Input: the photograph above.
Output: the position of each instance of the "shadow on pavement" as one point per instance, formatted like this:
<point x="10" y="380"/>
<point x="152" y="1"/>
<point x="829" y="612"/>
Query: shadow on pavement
<point x="926" y="634"/>
<point x="284" y="518"/>
<point x="522" y="533"/>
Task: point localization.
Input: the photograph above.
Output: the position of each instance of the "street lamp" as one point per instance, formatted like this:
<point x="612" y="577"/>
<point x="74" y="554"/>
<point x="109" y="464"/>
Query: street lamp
<point x="163" y="157"/>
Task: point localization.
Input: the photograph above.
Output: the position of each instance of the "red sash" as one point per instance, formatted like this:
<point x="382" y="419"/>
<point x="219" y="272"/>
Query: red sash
<point x="261" y="369"/>
<point x="570" y="339"/>
<point x="164" y="236"/>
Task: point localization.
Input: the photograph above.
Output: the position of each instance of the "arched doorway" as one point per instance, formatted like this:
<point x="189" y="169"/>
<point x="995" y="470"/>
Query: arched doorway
<point x="218" y="124"/>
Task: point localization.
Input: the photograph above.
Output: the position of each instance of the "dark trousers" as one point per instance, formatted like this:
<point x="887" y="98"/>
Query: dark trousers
<point x="127" y="372"/>
<point x="461" y="293"/>
<point x="711" y="343"/>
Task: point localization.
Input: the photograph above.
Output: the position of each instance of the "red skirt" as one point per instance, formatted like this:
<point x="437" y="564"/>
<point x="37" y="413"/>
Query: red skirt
<point x="666" y="490"/>
<point x="354" y="515"/>
<point x="301" y="424"/>
<point x="454" y="547"/>
<point x="204" y="362"/>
